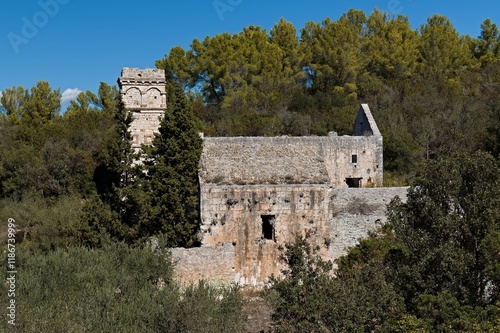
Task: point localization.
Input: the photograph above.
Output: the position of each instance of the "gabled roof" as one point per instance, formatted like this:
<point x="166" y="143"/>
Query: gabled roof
<point x="365" y="124"/>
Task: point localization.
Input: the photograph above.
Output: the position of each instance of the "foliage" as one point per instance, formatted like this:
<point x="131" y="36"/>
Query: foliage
<point x="310" y="297"/>
<point x="433" y="268"/>
<point x="203" y="308"/>
<point x="122" y="209"/>
<point x="171" y="175"/>
<point x="433" y="92"/>
<point x="43" y="152"/>
<point x="114" y="166"/>
<point x="112" y="289"/>
<point x="298" y="299"/>
<point x="43" y="224"/>
<point x="447" y="227"/>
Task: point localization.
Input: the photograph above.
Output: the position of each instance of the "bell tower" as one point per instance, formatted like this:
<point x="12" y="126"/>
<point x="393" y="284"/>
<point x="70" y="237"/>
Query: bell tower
<point x="143" y="93"/>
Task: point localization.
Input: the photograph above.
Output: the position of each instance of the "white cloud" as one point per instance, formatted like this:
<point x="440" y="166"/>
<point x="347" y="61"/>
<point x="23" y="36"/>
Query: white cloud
<point x="69" y="94"/>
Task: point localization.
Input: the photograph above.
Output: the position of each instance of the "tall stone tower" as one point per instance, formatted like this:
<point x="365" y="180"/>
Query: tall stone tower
<point x="143" y="92"/>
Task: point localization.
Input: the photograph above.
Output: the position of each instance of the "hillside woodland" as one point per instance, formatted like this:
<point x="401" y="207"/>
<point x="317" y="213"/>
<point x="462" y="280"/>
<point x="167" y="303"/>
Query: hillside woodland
<point x="83" y="209"/>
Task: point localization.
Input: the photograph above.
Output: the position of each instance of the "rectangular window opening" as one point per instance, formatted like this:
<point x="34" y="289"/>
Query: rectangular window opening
<point x="353" y="182"/>
<point x="354" y="158"/>
<point x="268" y="222"/>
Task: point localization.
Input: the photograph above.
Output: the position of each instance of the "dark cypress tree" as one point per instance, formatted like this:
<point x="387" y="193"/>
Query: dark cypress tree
<point x="118" y="184"/>
<point x="172" y="173"/>
<point x="115" y="159"/>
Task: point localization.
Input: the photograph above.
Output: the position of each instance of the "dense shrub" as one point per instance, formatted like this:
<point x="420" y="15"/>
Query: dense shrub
<point x="114" y="289"/>
<point x="434" y="267"/>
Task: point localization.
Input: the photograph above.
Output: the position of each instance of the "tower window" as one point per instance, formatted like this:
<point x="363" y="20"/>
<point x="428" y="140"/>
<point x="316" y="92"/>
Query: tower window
<point x="354" y="158"/>
<point x="268" y="222"/>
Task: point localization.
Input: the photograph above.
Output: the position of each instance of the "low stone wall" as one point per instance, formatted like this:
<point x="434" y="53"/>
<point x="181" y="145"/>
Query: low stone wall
<point x="209" y="263"/>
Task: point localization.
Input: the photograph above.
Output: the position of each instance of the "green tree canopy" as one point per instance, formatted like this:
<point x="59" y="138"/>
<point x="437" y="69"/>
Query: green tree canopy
<point x="451" y="214"/>
<point x="434" y="267"/>
<point x="171" y="175"/>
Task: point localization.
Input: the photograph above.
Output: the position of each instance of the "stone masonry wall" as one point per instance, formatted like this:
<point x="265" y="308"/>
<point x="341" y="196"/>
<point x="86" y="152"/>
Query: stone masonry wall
<point x="232" y="227"/>
<point x="209" y="263"/>
<point x="235" y="214"/>
<point x="356" y="211"/>
<point x="292" y="160"/>
<point x="369" y="161"/>
<point x="144" y="126"/>
<point x="263" y="160"/>
<point x="143" y="89"/>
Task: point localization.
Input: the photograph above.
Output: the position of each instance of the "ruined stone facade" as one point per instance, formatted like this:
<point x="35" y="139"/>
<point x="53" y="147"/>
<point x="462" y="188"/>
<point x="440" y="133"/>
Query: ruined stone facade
<point x="143" y="93"/>
<point x="249" y="223"/>
<point x="258" y="193"/>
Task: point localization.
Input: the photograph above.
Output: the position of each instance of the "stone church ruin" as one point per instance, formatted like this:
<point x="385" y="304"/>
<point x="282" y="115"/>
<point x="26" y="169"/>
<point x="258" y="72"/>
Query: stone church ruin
<point x="257" y="193"/>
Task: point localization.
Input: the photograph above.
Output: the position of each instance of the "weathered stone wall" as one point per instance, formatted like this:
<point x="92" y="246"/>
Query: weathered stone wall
<point x="144" y="126"/>
<point x="209" y="263"/>
<point x="263" y="160"/>
<point x="339" y="155"/>
<point x="365" y="123"/>
<point x="143" y="74"/>
<point x="232" y="217"/>
<point x="235" y="214"/>
<point x="143" y="89"/>
<point x="292" y="160"/>
<point x="356" y="211"/>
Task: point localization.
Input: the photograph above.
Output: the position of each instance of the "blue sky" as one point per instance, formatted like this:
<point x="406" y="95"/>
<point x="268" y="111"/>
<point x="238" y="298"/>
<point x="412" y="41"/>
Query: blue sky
<point x="76" y="44"/>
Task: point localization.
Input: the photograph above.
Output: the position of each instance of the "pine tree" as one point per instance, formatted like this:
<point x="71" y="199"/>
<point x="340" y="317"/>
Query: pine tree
<point x="43" y="104"/>
<point x="172" y="174"/>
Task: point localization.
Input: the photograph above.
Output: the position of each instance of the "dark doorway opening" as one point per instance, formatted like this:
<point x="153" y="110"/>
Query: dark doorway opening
<point x="268" y="226"/>
<point x="353" y="182"/>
